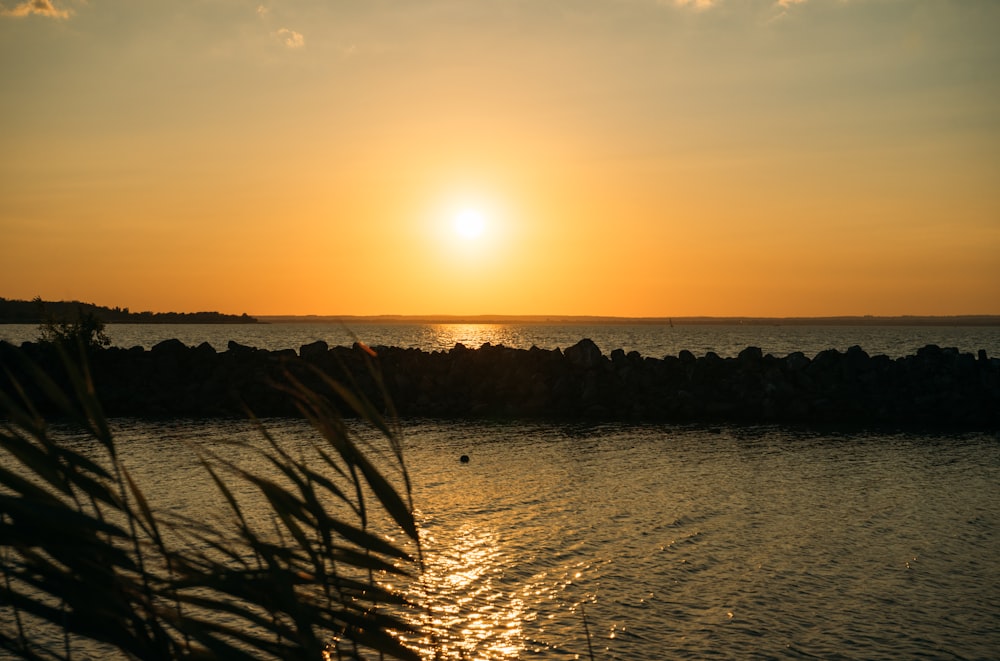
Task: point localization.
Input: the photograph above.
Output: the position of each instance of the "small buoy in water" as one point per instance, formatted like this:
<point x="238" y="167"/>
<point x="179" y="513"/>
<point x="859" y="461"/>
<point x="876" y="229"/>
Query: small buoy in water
<point x="464" y="458"/>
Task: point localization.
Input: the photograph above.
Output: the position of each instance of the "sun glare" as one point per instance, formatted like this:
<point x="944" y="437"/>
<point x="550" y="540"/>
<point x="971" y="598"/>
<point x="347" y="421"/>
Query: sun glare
<point x="470" y="223"/>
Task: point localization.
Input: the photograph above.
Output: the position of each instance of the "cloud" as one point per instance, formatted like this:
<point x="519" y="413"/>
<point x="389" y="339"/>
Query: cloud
<point x="707" y="4"/>
<point x="290" y="38"/>
<point x="781" y="7"/>
<point x="35" y="7"/>
<point x="695" y="4"/>
<point x="262" y="11"/>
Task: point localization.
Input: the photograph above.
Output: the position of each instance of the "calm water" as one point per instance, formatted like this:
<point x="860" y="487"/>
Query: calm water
<point x="649" y="340"/>
<point x="681" y="542"/>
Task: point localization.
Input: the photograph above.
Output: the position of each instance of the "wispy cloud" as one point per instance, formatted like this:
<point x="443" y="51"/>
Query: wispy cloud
<point x="34" y="8"/>
<point x="290" y="38"/>
<point x="782" y="7"/>
<point x="694" y="4"/>
<point x="707" y="4"/>
<point x="285" y="36"/>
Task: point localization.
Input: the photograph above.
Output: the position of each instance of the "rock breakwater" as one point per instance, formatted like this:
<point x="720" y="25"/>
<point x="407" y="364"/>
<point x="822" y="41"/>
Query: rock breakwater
<point x="934" y="387"/>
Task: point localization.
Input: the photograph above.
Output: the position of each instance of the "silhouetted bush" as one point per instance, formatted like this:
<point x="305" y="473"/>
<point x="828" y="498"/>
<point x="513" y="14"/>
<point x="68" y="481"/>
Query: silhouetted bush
<point x="84" y="329"/>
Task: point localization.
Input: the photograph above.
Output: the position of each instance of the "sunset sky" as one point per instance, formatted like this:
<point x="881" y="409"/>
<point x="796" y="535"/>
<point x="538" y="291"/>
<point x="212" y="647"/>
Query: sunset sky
<point x="608" y="157"/>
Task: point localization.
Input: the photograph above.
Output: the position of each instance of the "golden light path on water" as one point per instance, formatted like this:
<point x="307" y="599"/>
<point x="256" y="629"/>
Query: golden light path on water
<point x="483" y="620"/>
<point x="472" y="610"/>
<point x="475" y="335"/>
<point x="507" y="563"/>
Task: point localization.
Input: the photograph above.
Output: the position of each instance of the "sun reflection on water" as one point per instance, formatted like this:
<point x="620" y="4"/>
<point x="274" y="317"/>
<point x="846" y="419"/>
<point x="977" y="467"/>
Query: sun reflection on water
<point x="467" y="613"/>
<point x="474" y="336"/>
<point x="476" y="602"/>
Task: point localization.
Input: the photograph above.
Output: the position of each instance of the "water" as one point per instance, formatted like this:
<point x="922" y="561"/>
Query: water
<point x="673" y="541"/>
<point x="683" y="542"/>
<point x="678" y="541"/>
<point x="649" y="340"/>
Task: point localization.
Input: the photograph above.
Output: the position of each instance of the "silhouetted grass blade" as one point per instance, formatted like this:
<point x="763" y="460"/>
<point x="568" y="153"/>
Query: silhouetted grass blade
<point x="84" y="550"/>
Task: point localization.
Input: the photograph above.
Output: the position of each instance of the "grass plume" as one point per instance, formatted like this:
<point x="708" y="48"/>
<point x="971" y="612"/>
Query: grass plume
<point x="84" y="554"/>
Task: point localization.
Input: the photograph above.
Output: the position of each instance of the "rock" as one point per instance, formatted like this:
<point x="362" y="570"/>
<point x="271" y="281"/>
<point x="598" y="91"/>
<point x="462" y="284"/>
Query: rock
<point x="584" y="354"/>
<point x="237" y="348"/>
<point x="314" y="351"/>
<point x="929" y="351"/>
<point x="173" y="347"/>
<point x="935" y="387"/>
<point x="205" y="349"/>
<point x="796" y="361"/>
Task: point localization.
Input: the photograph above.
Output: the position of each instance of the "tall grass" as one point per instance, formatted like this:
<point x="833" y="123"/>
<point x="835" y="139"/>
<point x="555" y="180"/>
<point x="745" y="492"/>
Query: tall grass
<point x="88" y="561"/>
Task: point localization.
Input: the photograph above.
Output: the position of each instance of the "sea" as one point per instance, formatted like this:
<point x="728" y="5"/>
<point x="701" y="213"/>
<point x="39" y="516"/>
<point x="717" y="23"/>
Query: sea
<point x="654" y="340"/>
<point x="563" y="540"/>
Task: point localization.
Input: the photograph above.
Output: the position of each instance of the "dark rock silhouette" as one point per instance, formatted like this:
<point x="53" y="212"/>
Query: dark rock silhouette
<point x="935" y="387"/>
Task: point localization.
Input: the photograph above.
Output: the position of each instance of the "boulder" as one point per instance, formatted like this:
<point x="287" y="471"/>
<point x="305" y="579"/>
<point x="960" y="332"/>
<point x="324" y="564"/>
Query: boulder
<point x="314" y="350"/>
<point x="584" y="354"/>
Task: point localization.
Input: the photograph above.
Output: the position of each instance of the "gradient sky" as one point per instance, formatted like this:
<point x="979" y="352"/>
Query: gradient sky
<point x="630" y="157"/>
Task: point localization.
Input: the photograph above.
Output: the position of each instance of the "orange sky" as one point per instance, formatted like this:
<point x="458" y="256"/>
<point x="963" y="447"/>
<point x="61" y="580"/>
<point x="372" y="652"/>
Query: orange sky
<point x="630" y="158"/>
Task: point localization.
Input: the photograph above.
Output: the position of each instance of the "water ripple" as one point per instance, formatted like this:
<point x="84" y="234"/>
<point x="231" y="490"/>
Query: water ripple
<point x="765" y="542"/>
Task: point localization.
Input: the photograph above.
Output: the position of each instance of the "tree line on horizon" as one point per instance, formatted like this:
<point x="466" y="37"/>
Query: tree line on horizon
<point x="37" y="311"/>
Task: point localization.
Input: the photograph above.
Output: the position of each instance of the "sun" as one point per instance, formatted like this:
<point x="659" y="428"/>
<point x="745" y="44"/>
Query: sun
<point x="470" y="223"/>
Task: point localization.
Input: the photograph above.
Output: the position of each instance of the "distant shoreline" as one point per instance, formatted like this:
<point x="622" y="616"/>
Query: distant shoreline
<point x="956" y="320"/>
<point x="38" y="311"/>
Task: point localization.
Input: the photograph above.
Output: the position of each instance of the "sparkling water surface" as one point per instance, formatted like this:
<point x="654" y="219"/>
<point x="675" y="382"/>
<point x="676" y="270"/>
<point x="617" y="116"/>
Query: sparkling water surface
<point x="674" y="541"/>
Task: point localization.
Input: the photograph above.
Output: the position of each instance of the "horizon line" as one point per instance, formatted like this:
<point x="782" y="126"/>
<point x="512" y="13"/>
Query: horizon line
<point x="979" y="319"/>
